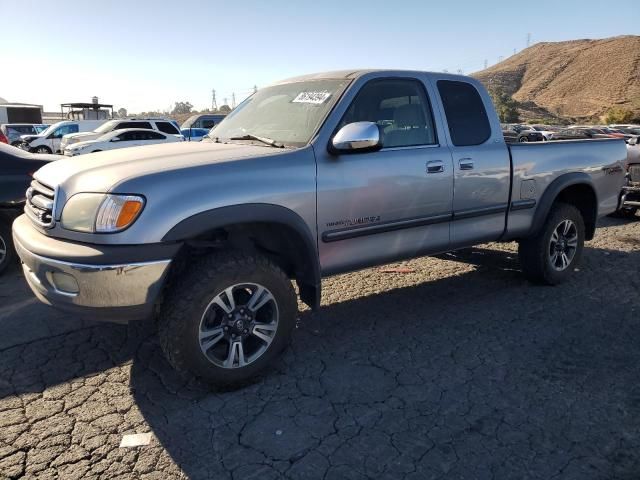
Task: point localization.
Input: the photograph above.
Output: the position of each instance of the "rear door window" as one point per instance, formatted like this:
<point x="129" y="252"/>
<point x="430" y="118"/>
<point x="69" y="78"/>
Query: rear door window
<point x="167" y="127"/>
<point x="124" y="125"/>
<point x="466" y="116"/>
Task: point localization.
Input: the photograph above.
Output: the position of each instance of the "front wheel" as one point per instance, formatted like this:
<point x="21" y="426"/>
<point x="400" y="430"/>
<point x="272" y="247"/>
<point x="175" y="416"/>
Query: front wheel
<point x="41" y="149"/>
<point x="228" y="318"/>
<point x="550" y="256"/>
<point x="523" y="139"/>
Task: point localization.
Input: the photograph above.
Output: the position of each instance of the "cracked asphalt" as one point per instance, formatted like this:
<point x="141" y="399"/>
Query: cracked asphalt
<point x="451" y="367"/>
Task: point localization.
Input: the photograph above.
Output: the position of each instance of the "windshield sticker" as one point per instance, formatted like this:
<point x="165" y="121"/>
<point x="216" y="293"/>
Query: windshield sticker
<point x="312" y="97"/>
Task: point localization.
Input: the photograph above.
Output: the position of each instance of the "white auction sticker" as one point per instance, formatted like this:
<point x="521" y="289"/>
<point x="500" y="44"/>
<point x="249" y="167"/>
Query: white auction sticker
<point x="312" y="97"/>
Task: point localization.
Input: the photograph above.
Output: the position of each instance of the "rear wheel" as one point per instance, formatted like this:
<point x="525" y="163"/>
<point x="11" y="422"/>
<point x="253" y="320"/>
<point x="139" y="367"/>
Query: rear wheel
<point x="228" y="318"/>
<point x="41" y="149"/>
<point x="550" y="256"/>
<point x="7" y="253"/>
<point x="523" y="139"/>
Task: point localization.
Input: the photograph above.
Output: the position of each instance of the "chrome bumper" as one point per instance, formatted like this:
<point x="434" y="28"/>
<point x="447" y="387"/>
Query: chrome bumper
<point x="117" y="293"/>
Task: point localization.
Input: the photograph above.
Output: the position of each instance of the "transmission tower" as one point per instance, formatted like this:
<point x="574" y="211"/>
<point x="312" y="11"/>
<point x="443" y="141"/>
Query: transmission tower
<point x="255" y="89"/>
<point x="486" y="63"/>
<point x="225" y="101"/>
<point x="233" y="100"/>
<point x="214" y="104"/>
<point x="528" y="39"/>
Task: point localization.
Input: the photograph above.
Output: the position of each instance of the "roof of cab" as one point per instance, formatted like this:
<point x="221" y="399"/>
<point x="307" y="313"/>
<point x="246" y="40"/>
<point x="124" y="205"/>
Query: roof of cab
<point x="353" y="74"/>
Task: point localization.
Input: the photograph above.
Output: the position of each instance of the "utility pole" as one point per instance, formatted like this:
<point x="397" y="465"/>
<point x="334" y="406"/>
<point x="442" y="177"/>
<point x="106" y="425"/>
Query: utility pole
<point x="233" y="100"/>
<point x="214" y="104"/>
<point x="528" y="39"/>
<point x="486" y="63"/>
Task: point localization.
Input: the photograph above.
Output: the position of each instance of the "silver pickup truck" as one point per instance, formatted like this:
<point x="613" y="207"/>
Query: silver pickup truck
<point x="309" y="177"/>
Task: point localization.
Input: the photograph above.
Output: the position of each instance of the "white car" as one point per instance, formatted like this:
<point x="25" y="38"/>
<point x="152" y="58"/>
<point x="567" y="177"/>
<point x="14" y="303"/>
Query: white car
<point x="130" y="137"/>
<point x="159" y="124"/>
<point x="546" y="131"/>
<point x="49" y="140"/>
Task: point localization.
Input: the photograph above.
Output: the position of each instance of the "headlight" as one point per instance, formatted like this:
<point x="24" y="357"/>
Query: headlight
<point x="101" y="213"/>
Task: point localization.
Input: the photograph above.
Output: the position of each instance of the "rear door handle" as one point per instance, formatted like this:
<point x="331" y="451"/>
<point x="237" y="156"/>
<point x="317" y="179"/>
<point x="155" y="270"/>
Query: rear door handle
<point x="435" y="166"/>
<point x="466" y="164"/>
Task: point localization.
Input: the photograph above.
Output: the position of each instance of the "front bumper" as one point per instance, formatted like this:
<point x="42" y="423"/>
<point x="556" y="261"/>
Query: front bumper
<point x="630" y="196"/>
<point x="99" y="282"/>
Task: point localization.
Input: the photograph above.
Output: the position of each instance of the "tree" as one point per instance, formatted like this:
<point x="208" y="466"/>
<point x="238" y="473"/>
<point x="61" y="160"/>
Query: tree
<point x="225" y="109"/>
<point x="122" y="112"/>
<point x="618" y="115"/>
<point x="182" y="107"/>
<point x="506" y="106"/>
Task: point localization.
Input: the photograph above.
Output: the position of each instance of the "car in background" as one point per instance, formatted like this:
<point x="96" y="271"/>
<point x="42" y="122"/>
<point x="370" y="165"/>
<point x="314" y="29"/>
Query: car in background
<point x="13" y="131"/>
<point x="130" y="137"/>
<point x="48" y="141"/>
<point x="545" y="130"/>
<point x="570" y="134"/>
<point x="159" y="124"/>
<point x="204" y="120"/>
<point x="194" y="134"/>
<point x="524" y="133"/>
<point x="630" y="197"/>
<point x="16" y="170"/>
<point x="594" y="132"/>
<point x="629" y="130"/>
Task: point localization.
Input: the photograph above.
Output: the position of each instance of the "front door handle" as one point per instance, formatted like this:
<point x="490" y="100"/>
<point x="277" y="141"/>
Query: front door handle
<point x="435" y="166"/>
<point x="466" y="164"/>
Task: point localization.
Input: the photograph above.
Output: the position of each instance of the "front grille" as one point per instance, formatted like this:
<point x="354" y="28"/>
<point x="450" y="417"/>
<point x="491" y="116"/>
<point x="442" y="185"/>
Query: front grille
<point x="634" y="173"/>
<point x="40" y="202"/>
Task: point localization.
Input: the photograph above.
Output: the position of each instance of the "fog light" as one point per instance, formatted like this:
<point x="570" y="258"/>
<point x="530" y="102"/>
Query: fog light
<point x="64" y="283"/>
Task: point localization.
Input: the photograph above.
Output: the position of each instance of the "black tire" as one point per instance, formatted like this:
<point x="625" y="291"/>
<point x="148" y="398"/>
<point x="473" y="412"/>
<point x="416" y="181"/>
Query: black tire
<point x="41" y="149"/>
<point x="6" y="244"/>
<point x="535" y="253"/>
<point x="523" y="139"/>
<point x="191" y="296"/>
<point x="628" y="213"/>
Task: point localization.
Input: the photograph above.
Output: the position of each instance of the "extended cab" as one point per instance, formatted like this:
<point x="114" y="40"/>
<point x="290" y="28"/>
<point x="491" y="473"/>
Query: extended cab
<point x="309" y="177"/>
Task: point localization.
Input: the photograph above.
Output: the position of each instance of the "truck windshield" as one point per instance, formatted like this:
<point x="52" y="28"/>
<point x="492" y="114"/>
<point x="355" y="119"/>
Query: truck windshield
<point x="289" y="113"/>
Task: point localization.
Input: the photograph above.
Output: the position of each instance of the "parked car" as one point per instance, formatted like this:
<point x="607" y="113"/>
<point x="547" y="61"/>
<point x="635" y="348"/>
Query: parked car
<point x="158" y="124"/>
<point x="16" y="170"/>
<point x="546" y="131"/>
<point x="570" y="134"/>
<point x="299" y="183"/>
<point x="630" y="199"/>
<point x="194" y="134"/>
<point x="49" y="140"/>
<point x="525" y="134"/>
<point x="593" y="132"/>
<point x="206" y="120"/>
<point x="13" y="131"/>
<point x="129" y="137"/>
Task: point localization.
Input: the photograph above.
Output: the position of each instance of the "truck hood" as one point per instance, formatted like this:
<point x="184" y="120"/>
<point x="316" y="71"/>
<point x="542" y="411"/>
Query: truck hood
<point x="101" y="171"/>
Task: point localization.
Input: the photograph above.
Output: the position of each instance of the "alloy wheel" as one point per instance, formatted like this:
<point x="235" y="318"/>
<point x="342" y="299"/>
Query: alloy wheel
<point x="238" y="325"/>
<point x="563" y="245"/>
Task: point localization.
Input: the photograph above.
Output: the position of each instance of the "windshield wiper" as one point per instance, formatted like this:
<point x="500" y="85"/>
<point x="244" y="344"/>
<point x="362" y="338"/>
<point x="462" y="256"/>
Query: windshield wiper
<point x="267" y="140"/>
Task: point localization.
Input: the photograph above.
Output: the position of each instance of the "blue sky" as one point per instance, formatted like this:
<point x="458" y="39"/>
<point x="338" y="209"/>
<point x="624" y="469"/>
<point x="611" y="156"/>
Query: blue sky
<point x="145" y="55"/>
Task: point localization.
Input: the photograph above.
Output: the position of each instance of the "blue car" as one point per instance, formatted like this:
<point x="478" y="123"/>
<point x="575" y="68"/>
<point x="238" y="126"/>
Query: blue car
<point x="194" y="134"/>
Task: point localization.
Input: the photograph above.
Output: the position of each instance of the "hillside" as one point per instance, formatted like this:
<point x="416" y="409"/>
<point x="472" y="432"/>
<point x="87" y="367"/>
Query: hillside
<point x="579" y="79"/>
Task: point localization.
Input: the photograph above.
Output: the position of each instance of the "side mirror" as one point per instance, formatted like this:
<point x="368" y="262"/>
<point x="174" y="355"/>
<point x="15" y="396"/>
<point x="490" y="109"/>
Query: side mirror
<point x="357" y="137"/>
<point x="633" y="141"/>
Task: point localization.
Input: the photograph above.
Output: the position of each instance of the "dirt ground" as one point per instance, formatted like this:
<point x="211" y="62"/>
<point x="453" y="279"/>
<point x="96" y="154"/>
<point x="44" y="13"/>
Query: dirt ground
<point x="452" y="367"/>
